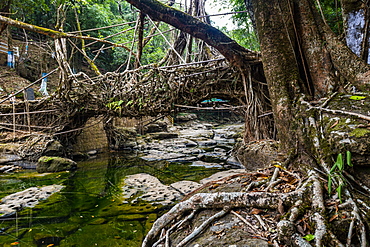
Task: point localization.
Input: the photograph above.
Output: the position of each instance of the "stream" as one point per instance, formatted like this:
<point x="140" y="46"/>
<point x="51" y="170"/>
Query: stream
<point x="92" y="209"/>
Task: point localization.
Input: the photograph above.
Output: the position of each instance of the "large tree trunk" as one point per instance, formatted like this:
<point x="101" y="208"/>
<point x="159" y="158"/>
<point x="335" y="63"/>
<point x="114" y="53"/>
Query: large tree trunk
<point x="297" y="63"/>
<point x="280" y="65"/>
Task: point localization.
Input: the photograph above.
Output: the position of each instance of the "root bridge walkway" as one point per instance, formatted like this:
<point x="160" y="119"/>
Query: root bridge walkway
<point x="147" y="91"/>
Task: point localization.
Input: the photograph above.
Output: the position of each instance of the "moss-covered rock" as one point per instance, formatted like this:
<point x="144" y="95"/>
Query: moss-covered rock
<point x="347" y="132"/>
<point x="55" y="164"/>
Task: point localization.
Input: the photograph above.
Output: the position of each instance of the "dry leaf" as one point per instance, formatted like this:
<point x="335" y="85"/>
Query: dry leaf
<point x="281" y="207"/>
<point x="279" y="166"/>
<point x="256" y="211"/>
<point x="333" y="217"/>
<point x="213" y="186"/>
<point x="300" y="230"/>
<point x="334" y="124"/>
<point x="262" y="178"/>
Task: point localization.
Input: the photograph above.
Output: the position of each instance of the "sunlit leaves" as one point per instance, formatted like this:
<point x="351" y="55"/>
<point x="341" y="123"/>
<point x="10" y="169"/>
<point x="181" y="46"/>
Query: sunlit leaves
<point x="309" y="237"/>
<point x="356" y="97"/>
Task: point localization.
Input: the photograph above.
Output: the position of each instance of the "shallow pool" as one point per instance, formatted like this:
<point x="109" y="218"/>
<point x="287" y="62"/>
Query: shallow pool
<point x="90" y="210"/>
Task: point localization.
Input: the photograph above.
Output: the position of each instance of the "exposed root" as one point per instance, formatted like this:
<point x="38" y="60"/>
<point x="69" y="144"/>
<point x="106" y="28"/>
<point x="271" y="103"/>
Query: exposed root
<point x="254" y="230"/>
<point x="298" y="213"/>
<point x="202" y="227"/>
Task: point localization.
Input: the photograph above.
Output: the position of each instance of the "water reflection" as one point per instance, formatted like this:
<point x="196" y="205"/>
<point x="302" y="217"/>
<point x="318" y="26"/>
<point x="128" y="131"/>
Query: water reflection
<point x="90" y="211"/>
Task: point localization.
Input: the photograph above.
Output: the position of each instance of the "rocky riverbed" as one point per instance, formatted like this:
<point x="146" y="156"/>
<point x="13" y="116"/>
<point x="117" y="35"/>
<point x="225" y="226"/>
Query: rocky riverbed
<point x="161" y="166"/>
<point x="197" y="143"/>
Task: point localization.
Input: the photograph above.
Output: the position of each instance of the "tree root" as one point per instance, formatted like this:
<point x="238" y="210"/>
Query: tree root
<point x="308" y="209"/>
<point x="202" y="227"/>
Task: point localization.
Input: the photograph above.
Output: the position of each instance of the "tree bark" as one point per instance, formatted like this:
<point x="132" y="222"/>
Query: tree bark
<point x="280" y="65"/>
<point x="301" y="56"/>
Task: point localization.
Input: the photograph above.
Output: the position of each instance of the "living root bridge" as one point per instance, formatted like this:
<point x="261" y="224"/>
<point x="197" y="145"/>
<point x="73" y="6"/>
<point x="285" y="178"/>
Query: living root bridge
<point x="149" y="91"/>
<point x="307" y="214"/>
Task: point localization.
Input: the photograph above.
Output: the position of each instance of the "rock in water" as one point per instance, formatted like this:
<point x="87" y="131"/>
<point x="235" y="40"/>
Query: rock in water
<point x="55" y="164"/>
<point x="27" y="198"/>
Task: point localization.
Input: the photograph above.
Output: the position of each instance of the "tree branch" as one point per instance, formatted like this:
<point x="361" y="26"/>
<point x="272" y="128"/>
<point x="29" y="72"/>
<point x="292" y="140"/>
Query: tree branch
<point x="229" y="48"/>
<point x="54" y="33"/>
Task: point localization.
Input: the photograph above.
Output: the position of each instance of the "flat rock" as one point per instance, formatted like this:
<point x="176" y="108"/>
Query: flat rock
<point x="206" y="143"/>
<point x="159" y="155"/>
<point x="164" y="135"/>
<point x="194" y="134"/>
<point x="152" y="190"/>
<point x="221" y="175"/>
<point x="26" y="198"/>
<point x="185" y="187"/>
<point x="206" y="164"/>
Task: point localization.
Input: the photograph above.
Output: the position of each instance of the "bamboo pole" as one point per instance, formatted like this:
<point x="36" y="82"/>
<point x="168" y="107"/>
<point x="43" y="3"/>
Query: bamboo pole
<point x="27" y="105"/>
<point x="211" y="108"/>
<point x="28" y="126"/>
<point x="100" y="28"/>
<point x="22" y="113"/>
<point x="164" y="37"/>
<point x="53" y="33"/>
<point x="13" y="103"/>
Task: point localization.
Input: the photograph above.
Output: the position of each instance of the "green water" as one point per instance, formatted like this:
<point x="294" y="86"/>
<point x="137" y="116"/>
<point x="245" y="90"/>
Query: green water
<point x="90" y="210"/>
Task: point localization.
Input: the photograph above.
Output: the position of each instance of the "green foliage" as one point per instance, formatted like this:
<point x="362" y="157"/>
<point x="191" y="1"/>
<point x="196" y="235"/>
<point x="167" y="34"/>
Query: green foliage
<point x="244" y="32"/>
<point x="336" y="171"/>
<point x="332" y="12"/>
<point x="309" y="237"/>
<point x="93" y="14"/>
<point x="246" y="37"/>
<point x="115" y="105"/>
<point x="356" y="97"/>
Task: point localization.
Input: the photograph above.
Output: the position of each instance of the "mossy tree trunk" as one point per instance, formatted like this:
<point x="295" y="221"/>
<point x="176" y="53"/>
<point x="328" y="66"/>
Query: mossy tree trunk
<point x="301" y="57"/>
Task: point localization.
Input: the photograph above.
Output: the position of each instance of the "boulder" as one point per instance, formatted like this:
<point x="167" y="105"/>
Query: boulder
<point x="55" y="164"/>
<point x="259" y="154"/>
<point x="185" y="117"/>
<point x="164" y="135"/>
<point x="54" y="149"/>
<point x="155" y="127"/>
<point x="148" y="188"/>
